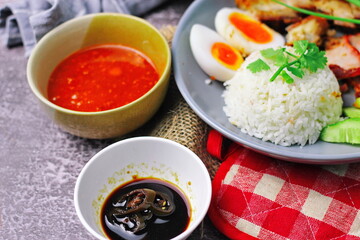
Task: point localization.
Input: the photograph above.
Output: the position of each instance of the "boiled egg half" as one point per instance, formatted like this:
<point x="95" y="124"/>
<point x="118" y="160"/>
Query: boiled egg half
<point x="243" y="31"/>
<point x="214" y="55"/>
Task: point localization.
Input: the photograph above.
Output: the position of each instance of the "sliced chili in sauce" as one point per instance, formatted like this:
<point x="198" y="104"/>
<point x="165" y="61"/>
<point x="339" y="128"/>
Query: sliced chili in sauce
<point x="101" y="77"/>
<point x="145" y="208"/>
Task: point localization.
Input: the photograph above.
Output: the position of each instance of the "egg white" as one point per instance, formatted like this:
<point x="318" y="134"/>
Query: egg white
<point x="201" y="40"/>
<point x="239" y="40"/>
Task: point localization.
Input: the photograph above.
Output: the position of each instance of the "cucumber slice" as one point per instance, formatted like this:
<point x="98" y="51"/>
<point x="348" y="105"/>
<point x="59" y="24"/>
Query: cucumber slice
<point x="352" y="112"/>
<point x="357" y="103"/>
<point x="347" y="131"/>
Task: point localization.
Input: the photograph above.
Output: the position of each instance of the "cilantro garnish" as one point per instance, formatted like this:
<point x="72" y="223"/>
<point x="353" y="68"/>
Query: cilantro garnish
<point x="258" y="66"/>
<point x="306" y="56"/>
<point x="277" y="56"/>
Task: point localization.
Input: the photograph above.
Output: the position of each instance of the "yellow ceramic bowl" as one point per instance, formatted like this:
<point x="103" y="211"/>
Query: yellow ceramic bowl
<point x="100" y="29"/>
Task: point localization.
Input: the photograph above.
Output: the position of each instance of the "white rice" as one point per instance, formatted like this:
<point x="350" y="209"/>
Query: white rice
<point x="285" y="114"/>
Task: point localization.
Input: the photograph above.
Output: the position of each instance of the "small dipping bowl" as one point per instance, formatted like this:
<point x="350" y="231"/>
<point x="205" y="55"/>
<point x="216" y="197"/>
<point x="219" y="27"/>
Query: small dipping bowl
<point x="93" y="29"/>
<point x="143" y="157"/>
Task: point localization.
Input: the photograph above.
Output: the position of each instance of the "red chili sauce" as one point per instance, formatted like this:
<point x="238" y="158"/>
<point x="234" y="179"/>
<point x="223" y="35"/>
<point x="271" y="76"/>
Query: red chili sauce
<point x="101" y="77"/>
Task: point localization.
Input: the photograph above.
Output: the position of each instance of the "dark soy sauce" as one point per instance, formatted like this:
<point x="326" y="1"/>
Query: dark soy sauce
<point x="157" y="227"/>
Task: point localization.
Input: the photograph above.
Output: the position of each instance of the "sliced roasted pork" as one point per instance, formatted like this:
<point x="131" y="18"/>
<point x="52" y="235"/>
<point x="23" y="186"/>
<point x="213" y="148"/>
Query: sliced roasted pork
<point x="343" y="57"/>
<point x="355" y="40"/>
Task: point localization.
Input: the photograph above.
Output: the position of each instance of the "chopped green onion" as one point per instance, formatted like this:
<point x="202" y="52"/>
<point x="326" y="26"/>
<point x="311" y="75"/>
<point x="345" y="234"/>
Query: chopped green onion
<point x="356" y="21"/>
<point x="355" y="2"/>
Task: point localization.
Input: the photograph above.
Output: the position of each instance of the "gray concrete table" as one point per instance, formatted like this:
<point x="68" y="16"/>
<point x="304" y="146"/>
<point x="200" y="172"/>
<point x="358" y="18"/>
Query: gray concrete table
<point x="39" y="163"/>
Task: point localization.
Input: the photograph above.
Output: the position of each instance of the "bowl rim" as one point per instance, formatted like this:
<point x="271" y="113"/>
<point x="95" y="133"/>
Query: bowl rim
<point x="163" y="77"/>
<point x="207" y="182"/>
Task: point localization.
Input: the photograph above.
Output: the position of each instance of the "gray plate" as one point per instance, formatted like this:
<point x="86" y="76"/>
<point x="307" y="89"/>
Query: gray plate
<point x="207" y="102"/>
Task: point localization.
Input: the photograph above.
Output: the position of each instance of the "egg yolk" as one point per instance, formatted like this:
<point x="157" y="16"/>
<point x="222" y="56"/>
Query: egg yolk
<point x="254" y="30"/>
<point x="226" y="55"/>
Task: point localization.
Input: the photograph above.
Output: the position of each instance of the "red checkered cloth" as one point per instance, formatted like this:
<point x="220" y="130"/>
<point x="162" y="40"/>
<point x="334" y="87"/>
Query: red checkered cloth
<point x="258" y="197"/>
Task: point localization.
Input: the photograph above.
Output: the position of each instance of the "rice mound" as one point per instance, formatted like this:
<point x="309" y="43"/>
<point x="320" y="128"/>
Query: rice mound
<point x="285" y="114"/>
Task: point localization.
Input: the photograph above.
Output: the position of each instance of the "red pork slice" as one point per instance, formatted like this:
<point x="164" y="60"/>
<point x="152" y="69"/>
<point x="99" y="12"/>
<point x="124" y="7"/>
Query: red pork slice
<point x="343" y="57"/>
<point x="355" y="40"/>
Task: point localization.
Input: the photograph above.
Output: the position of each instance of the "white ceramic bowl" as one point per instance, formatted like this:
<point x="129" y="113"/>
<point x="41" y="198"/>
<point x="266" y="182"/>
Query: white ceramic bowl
<point x="144" y="157"/>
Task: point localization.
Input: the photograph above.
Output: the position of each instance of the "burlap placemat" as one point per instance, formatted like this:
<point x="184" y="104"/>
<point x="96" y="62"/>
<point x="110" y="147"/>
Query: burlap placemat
<point x="178" y="122"/>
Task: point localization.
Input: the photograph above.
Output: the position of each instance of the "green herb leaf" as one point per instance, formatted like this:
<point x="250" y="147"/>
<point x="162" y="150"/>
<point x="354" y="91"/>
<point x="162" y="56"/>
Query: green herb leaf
<point x="277" y="55"/>
<point x="268" y="53"/>
<point x="258" y="66"/>
<point x="350" y="20"/>
<point x="286" y="77"/>
<point x="314" y="59"/>
<point x="301" y="46"/>
<point x="296" y="71"/>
